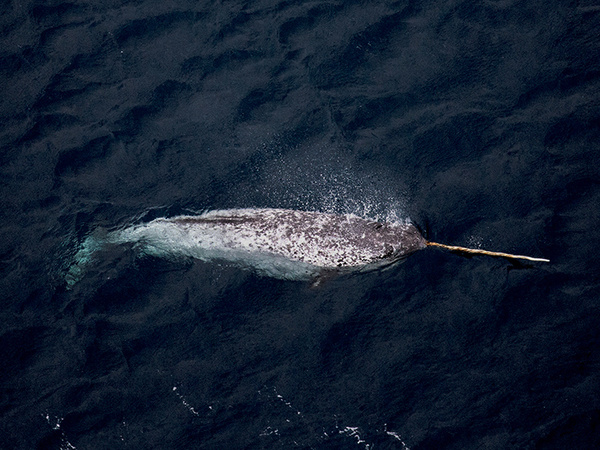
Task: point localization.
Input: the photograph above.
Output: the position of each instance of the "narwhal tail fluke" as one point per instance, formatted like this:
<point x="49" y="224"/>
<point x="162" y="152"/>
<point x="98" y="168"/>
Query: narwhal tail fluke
<point x="82" y="259"/>
<point x="485" y="252"/>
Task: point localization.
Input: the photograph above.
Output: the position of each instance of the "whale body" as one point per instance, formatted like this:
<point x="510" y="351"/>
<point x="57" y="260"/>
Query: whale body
<point x="281" y="243"/>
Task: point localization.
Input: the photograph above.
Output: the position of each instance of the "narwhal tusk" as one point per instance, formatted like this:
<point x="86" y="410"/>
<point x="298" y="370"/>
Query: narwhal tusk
<point x="485" y="252"/>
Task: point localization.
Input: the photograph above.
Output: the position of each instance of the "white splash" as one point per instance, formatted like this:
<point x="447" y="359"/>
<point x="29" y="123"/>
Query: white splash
<point x="289" y="420"/>
<point x="55" y="424"/>
<point x="397" y="436"/>
<point x="189" y="407"/>
<point x="354" y="432"/>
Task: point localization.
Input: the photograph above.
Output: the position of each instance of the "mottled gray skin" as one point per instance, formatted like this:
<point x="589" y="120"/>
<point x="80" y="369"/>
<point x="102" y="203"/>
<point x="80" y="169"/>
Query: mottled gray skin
<point x="280" y="243"/>
<point x="320" y="239"/>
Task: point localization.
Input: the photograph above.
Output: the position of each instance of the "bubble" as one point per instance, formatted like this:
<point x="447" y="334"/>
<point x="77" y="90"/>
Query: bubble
<point x="323" y="178"/>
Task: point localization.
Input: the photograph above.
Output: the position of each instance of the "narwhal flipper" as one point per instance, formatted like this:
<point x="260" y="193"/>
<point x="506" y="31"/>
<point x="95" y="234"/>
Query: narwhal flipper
<point x="324" y="275"/>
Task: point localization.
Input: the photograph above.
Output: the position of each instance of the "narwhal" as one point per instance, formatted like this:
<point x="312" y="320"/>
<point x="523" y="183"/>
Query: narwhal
<point x="281" y="243"/>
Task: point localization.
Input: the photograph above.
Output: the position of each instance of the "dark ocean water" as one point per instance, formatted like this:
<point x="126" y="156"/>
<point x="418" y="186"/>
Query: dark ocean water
<point x="479" y="121"/>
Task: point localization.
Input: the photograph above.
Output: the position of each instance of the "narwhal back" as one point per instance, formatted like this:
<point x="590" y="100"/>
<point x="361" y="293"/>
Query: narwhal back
<point x="319" y="239"/>
<point x="281" y="243"/>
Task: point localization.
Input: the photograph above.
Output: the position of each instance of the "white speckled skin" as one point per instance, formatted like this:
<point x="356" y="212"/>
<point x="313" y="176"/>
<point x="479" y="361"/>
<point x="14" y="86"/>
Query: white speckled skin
<point x="323" y="240"/>
<point x="279" y="243"/>
<point x="270" y="240"/>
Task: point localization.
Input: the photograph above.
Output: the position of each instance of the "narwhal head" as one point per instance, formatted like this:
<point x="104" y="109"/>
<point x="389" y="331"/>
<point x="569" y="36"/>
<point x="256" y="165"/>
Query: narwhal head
<point x="398" y="239"/>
